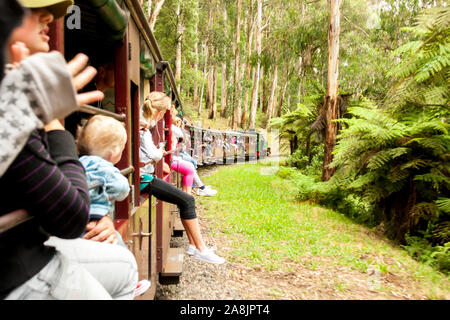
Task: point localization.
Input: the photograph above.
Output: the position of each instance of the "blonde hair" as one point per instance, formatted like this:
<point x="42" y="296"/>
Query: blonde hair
<point x="101" y="136"/>
<point x="156" y="101"/>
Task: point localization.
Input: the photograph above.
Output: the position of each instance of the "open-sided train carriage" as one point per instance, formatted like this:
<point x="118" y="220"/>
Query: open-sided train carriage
<point x="217" y="146"/>
<point x="261" y="146"/>
<point x="251" y="141"/>
<point x="229" y="147"/>
<point x="238" y="143"/>
<point x="195" y="150"/>
<point x="212" y="147"/>
<point x="117" y="32"/>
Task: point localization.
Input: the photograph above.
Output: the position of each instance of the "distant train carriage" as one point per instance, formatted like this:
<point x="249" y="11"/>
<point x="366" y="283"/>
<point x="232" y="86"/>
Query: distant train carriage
<point x="207" y="147"/>
<point x="261" y="146"/>
<point x="217" y="146"/>
<point x="250" y="139"/>
<point x="196" y="144"/>
<point x="187" y="140"/>
<point x="240" y="150"/>
<point x="228" y="147"/>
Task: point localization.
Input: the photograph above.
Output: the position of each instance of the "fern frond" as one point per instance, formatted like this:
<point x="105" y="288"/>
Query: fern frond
<point x="443" y="204"/>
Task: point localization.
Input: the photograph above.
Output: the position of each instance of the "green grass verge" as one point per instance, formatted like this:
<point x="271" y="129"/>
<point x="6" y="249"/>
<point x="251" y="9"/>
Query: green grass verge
<point x="269" y="228"/>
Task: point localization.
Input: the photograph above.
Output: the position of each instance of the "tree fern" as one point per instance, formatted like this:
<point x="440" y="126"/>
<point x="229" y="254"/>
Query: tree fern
<point x="397" y="156"/>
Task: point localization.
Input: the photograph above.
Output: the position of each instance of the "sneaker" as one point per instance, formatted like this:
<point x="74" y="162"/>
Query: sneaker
<point x="206" y="192"/>
<point x="209" y="187"/>
<point x="191" y="250"/>
<point x="208" y="256"/>
<point x="141" y="287"/>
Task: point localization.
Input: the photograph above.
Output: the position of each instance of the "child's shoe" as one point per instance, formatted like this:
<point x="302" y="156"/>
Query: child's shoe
<point x="141" y="287"/>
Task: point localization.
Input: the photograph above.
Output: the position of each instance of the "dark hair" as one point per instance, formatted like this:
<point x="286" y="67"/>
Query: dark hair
<point x="10" y="17"/>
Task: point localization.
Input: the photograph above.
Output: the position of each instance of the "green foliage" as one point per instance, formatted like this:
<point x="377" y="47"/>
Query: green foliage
<point x="424" y="70"/>
<point x="424" y="251"/>
<point x="397" y="157"/>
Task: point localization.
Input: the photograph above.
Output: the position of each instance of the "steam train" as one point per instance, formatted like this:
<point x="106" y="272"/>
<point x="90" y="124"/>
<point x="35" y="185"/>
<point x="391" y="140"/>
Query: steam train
<point x="117" y="32"/>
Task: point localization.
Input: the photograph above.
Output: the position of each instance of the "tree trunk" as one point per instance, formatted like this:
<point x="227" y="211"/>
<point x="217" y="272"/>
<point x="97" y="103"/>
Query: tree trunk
<point x="213" y="112"/>
<point x="262" y="107"/>
<point x="223" y="95"/>
<point x="331" y="100"/>
<point x="283" y="93"/>
<point x="178" y="50"/>
<point x="248" y="65"/>
<point x="237" y="78"/>
<point x="210" y="88"/>
<point x="149" y="8"/>
<point x="258" y="39"/>
<point x="205" y="46"/>
<point x="195" y="93"/>
<point x="270" y="105"/>
<point x="158" y="7"/>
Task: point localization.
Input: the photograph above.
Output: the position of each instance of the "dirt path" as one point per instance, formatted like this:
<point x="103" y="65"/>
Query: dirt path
<point x="203" y="281"/>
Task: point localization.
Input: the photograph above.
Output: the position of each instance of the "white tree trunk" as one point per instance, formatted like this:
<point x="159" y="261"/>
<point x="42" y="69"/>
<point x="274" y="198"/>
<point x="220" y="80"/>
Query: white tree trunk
<point x="158" y="7"/>
<point x="178" y="50"/>
<point x="270" y="105"/>
<point x="223" y="95"/>
<point x="258" y="39"/>
<point x="248" y="65"/>
<point x="149" y="8"/>
<point x="331" y="102"/>
<point x="195" y="94"/>
<point x="237" y="77"/>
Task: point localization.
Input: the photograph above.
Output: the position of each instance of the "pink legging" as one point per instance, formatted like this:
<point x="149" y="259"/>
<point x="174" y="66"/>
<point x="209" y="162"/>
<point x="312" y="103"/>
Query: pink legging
<point x="186" y="169"/>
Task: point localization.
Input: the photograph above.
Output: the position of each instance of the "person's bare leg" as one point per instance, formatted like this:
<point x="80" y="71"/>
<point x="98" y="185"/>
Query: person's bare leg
<point x="187" y="189"/>
<point x="193" y="231"/>
<point x="188" y="233"/>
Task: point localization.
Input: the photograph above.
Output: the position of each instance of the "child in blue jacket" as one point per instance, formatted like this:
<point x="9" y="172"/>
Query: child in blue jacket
<point x="100" y="144"/>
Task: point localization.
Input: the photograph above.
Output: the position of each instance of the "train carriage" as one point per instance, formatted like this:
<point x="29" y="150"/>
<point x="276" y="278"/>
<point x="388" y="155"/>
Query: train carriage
<point x="217" y="146"/>
<point x="238" y="140"/>
<point x="196" y="143"/>
<point x="207" y="147"/>
<point x="261" y="146"/>
<point x="116" y="36"/>
<point x="250" y="139"/>
<point x="117" y="33"/>
<point x="212" y="147"/>
<point x="228" y="147"/>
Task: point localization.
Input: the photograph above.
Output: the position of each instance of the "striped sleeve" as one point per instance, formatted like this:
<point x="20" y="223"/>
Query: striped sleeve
<point x="53" y="182"/>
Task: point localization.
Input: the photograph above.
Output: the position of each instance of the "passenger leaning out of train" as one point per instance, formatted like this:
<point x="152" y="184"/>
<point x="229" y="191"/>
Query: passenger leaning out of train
<point x="43" y="258"/>
<point x="23" y="82"/>
<point x="178" y="160"/>
<point x="157" y="104"/>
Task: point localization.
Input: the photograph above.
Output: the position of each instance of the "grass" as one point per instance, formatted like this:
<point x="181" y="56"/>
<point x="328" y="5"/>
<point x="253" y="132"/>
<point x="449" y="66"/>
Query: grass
<point x="269" y="228"/>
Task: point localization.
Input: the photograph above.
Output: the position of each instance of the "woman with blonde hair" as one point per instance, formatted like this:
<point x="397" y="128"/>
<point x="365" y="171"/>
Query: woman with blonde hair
<point x="154" y="107"/>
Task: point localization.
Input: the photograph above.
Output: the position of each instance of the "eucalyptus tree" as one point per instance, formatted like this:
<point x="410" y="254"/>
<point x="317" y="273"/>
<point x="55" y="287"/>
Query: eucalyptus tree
<point x="258" y="39"/>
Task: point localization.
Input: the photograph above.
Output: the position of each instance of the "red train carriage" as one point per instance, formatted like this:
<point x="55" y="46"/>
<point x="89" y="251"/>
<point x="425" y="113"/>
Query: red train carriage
<point x="119" y="36"/>
<point x="119" y="42"/>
